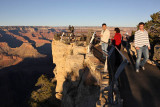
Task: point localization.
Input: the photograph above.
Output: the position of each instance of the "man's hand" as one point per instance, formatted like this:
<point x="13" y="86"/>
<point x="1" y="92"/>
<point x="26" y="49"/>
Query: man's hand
<point x="137" y="48"/>
<point x="149" y="48"/>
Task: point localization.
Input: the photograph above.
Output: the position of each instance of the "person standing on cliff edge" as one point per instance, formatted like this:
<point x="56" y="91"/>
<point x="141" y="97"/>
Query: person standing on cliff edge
<point x="142" y="45"/>
<point x="105" y="35"/>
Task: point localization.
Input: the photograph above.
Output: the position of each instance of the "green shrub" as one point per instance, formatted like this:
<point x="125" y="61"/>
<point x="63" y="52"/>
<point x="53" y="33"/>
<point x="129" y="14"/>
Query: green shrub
<point x="57" y="36"/>
<point x="42" y="97"/>
<point x="153" y="27"/>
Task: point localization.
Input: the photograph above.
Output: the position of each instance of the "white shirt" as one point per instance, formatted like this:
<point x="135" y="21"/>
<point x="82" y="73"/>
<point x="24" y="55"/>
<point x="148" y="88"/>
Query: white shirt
<point x="105" y="35"/>
<point x="141" y="38"/>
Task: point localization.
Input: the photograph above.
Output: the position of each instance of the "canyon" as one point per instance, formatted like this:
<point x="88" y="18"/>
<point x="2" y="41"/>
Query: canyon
<point x="26" y="54"/>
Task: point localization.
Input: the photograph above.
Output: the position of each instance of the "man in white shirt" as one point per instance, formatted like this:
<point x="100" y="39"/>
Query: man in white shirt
<point x="142" y="45"/>
<point x="105" y="35"/>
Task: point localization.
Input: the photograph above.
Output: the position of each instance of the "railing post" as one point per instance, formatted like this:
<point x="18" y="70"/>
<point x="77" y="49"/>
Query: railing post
<point x="90" y="43"/>
<point x="62" y="36"/>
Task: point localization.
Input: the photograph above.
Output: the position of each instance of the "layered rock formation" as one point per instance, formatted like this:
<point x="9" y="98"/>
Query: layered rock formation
<point x="77" y="74"/>
<point x="69" y="61"/>
<point x="6" y="60"/>
<point x="26" y="50"/>
<point x="12" y="56"/>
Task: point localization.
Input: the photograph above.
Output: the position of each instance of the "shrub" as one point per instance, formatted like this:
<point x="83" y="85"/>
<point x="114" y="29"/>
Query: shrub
<point x="57" y="36"/>
<point x="44" y="94"/>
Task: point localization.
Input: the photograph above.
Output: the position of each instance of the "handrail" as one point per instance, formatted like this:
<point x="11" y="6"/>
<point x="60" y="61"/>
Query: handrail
<point x="66" y="36"/>
<point x="113" y="75"/>
<point x="91" y="41"/>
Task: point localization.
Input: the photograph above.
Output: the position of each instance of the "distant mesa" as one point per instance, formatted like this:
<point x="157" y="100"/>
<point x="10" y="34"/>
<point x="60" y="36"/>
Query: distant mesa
<point x="12" y="56"/>
<point x="26" y="50"/>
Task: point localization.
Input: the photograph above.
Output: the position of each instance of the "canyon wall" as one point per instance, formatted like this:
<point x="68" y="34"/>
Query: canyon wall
<point x="77" y="74"/>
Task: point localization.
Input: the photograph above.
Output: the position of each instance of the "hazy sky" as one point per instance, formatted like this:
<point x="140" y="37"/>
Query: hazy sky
<point x="76" y="12"/>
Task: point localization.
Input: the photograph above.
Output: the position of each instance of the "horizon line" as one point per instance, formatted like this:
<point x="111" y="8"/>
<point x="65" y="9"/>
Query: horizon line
<point x="54" y="26"/>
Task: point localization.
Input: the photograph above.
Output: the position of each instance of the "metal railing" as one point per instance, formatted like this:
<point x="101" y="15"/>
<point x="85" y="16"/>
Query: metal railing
<point x="114" y="66"/>
<point x="70" y="37"/>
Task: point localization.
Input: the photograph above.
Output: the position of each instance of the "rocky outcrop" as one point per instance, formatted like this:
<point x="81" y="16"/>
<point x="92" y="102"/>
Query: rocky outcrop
<point x="69" y="61"/>
<point x="26" y="50"/>
<point x="77" y="73"/>
<point x="12" y="56"/>
<point x="4" y="48"/>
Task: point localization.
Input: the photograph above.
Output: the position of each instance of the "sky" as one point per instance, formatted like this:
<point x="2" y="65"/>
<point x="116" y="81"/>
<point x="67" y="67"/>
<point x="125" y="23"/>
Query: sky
<point x="122" y="13"/>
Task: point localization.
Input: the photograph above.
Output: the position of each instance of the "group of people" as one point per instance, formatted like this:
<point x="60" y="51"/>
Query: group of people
<point x="141" y="41"/>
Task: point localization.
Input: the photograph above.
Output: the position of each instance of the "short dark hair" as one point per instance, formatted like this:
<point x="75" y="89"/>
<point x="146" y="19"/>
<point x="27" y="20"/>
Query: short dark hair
<point x="104" y="24"/>
<point x="117" y="30"/>
<point x="141" y="23"/>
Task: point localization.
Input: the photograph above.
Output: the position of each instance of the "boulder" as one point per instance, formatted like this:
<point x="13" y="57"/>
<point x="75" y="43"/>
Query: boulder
<point x="156" y="52"/>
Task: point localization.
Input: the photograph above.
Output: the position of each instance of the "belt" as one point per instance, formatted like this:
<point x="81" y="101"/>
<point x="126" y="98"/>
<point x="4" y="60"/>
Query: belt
<point x="144" y="46"/>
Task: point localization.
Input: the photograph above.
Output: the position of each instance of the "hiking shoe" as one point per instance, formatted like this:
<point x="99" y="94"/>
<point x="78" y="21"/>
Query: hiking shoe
<point x="143" y="68"/>
<point x="137" y="70"/>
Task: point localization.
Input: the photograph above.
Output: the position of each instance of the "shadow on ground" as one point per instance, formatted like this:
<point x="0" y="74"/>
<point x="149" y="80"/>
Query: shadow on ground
<point x="140" y="89"/>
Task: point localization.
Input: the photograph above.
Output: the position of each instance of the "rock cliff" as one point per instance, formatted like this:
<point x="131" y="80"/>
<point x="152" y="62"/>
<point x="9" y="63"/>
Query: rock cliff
<point x="77" y="74"/>
<point x="69" y="60"/>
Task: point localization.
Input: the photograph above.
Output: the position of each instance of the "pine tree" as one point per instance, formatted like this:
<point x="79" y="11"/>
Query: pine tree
<point x="153" y="27"/>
